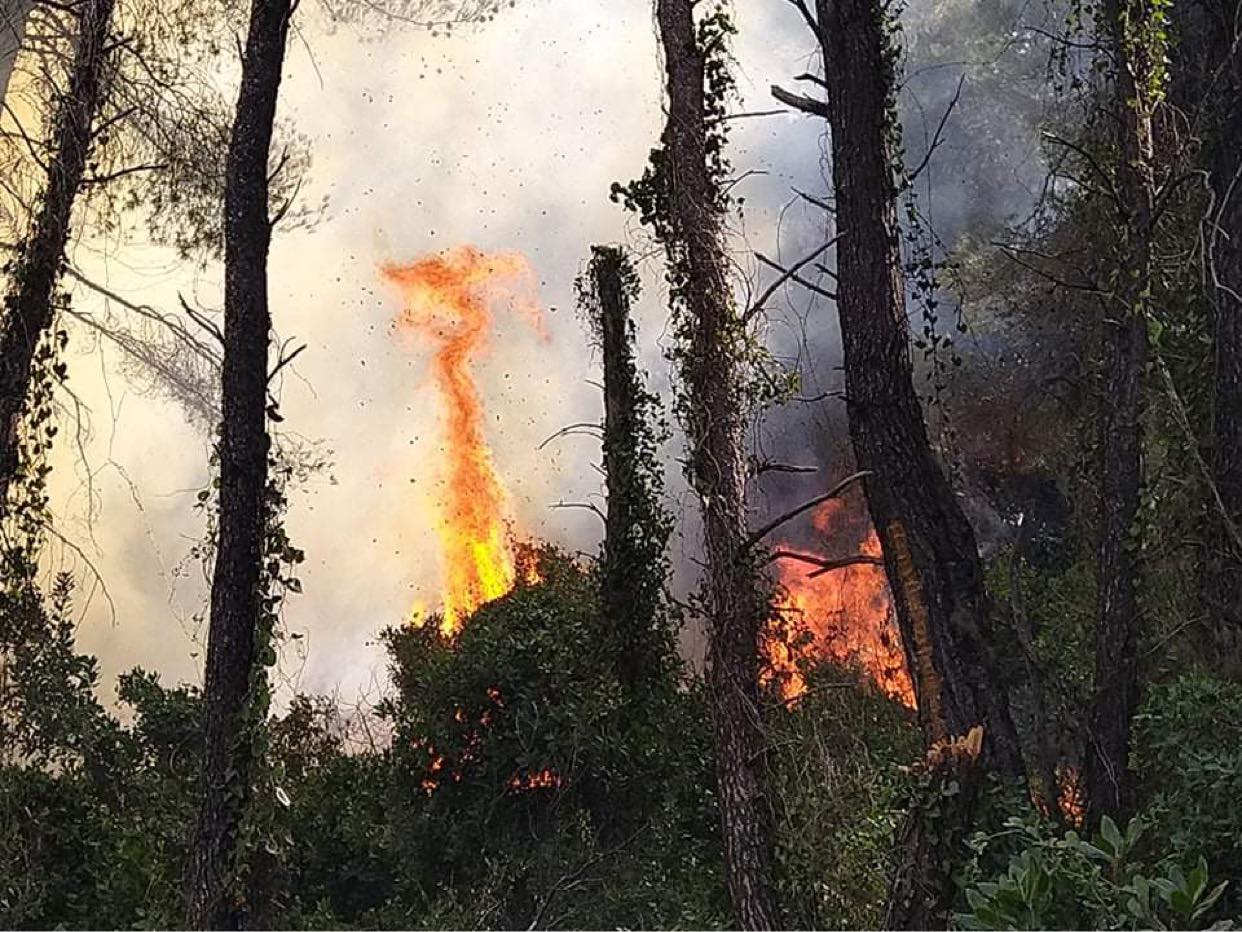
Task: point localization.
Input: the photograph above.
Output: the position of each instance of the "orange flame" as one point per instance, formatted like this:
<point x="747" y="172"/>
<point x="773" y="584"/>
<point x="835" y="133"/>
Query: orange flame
<point x="845" y="615"/>
<point x="447" y="301"/>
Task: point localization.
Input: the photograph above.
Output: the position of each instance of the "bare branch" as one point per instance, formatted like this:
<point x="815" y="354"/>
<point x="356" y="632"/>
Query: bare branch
<point x="827" y="566"/>
<point x="284" y="360"/>
<point x="787" y="274"/>
<point x="769" y="466"/>
<point x="201" y="319"/>
<point x="589" y="506"/>
<point x="788" y="516"/>
<point x="810" y="286"/>
<point x="937" y="137"/>
<point x="814" y="79"/>
<point x="818" y="202"/>
<point x="579" y="428"/>
<point x="801" y="102"/>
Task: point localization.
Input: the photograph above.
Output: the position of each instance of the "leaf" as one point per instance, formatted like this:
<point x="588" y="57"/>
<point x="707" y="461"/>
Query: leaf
<point x="1110" y="834"/>
<point x="282" y="797"/>
<point x="1196" y="883"/>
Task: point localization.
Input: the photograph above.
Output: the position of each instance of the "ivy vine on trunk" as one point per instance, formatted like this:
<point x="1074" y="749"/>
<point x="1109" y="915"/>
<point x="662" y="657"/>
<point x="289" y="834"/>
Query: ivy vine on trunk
<point x="683" y="197"/>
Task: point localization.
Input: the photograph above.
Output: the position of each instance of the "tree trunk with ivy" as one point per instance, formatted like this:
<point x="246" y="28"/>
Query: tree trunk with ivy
<point x="690" y="208"/>
<point x="636" y="527"/>
<point x="213" y="898"/>
<point x="931" y="556"/>
<point x="1136" y="77"/>
<point x="28" y="305"/>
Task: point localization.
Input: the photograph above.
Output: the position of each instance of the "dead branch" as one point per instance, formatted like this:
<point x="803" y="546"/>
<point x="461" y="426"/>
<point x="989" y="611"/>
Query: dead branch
<point x="769" y="466"/>
<point x="938" y="136"/>
<point x="583" y="427"/>
<point x="787" y="274"/>
<point x="791" y="275"/>
<point x="589" y="506"/>
<point x="826" y="566"/>
<point x="788" y="516"/>
<point x="284" y="360"/>
<point x="818" y="202"/>
<point x="801" y="102"/>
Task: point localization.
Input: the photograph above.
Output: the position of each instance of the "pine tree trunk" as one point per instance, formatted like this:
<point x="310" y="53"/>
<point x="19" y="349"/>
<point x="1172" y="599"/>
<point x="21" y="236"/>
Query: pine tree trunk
<point x="715" y="425"/>
<point x="1118" y="622"/>
<point x="32" y="284"/>
<point x="930" y="551"/>
<point x="931" y="557"/>
<point x="212" y="898"/>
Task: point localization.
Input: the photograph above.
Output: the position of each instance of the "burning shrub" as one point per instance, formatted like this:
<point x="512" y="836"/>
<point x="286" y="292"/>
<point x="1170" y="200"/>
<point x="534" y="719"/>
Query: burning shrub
<point x="521" y="761"/>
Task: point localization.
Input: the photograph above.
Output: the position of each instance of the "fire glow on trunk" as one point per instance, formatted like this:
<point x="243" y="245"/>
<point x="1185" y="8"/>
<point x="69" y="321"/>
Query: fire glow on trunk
<point x="448" y="300"/>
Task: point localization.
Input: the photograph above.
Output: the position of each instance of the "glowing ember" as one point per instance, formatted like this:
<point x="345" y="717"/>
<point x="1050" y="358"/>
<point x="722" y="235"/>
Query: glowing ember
<point x="448" y="301"/>
<point x="1071" y="797"/>
<point x="845" y="615"/>
<point x="542" y="780"/>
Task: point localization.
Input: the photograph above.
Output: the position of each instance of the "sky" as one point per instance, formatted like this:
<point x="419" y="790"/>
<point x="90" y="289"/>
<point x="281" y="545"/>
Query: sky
<point x="507" y="137"/>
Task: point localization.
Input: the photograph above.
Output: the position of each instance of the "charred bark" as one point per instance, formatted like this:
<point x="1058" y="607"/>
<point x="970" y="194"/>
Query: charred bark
<point x="931" y="556"/>
<point x="212" y="900"/>
<point x="28" y="303"/>
<point x="636" y="529"/>
<point x="1118" y="619"/>
<point x="715" y="426"/>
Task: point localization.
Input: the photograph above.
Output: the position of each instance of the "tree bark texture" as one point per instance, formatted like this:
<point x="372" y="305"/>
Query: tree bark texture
<point x="1222" y="45"/>
<point x="715" y="425"/>
<point x="212" y="900"/>
<point x="931" y="555"/>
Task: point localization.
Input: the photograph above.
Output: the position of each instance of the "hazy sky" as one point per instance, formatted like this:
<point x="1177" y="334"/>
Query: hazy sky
<point x="506" y="137"/>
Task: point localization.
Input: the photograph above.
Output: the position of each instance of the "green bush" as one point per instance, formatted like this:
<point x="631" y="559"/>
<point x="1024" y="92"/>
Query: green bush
<point x="1066" y="882"/>
<point x="838" y="782"/>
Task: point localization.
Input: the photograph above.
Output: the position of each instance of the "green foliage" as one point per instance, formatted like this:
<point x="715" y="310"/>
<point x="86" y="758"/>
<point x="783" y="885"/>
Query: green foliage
<point x="633" y="566"/>
<point x="1188" y="761"/>
<point x="1175" y="865"/>
<point x="835" y="769"/>
<point x="1064" y="881"/>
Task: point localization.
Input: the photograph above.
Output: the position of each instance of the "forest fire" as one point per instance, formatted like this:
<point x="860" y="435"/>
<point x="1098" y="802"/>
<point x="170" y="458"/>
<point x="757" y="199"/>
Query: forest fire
<point x="845" y="615"/>
<point x="448" y="301"/>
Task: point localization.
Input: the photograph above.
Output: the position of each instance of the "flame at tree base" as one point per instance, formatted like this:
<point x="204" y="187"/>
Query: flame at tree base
<point x="844" y="616"/>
